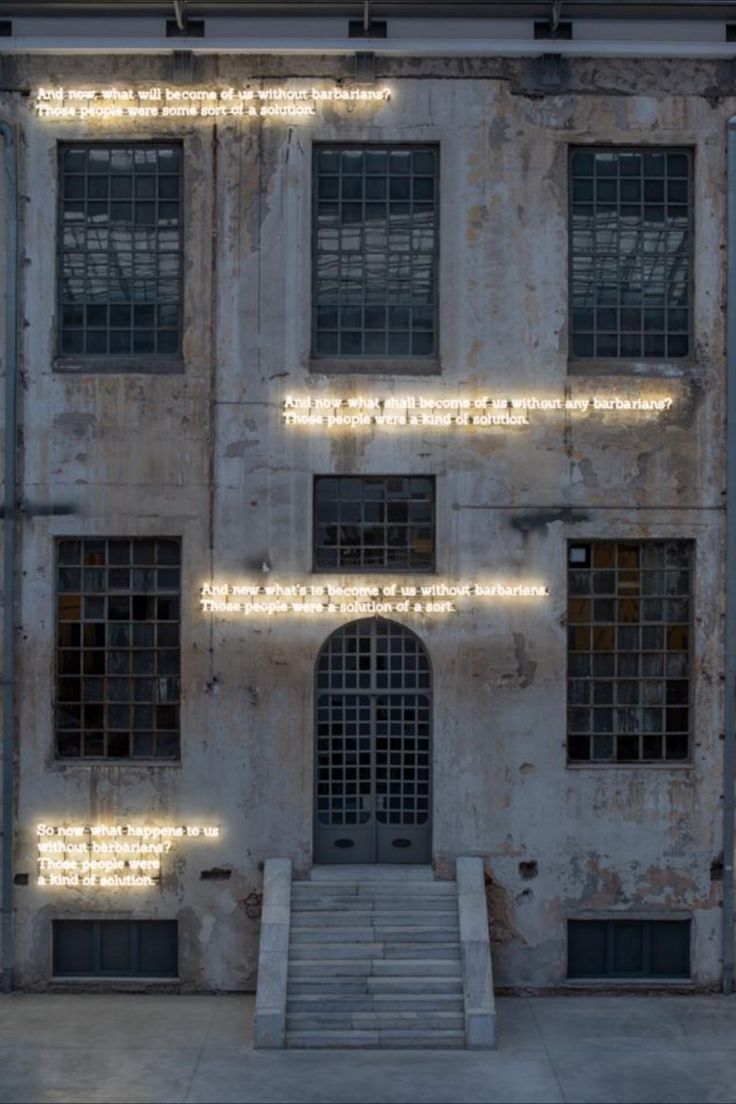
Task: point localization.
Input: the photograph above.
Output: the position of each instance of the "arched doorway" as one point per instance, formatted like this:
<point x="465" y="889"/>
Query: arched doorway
<point x="373" y="750"/>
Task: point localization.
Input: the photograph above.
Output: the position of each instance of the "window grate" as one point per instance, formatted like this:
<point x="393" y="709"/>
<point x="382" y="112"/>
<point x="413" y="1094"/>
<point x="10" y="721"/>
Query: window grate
<point x="375" y="251"/>
<point x="373" y="728"/>
<point x="115" y="948"/>
<point x="629" y="640"/>
<point x="628" y="949"/>
<point x="120" y="271"/>
<point x="118" y="657"/>
<point x="374" y="523"/>
<point x="630" y="253"/>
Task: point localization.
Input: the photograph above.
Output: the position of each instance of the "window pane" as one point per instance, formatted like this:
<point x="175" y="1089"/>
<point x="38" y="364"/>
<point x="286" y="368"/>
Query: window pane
<point x="621" y="631"/>
<point x="670" y="949"/>
<point x="586" y="948"/>
<point x="375" y="252"/>
<point x="115" y="956"/>
<point x="73" y="947"/>
<point x="157" y="949"/>
<point x="112" y="249"/>
<point x="628" y="952"/>
<point x="367" y="523"/>
<point x="630" y="250"/>
<point x="117" y="639"/>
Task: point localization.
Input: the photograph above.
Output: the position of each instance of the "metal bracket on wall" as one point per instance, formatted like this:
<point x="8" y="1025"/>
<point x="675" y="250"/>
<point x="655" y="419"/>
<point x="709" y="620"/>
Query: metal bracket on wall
<point x="550" y="72"/>
<point x="365" y="67"/>
<point x="182" y="66"/>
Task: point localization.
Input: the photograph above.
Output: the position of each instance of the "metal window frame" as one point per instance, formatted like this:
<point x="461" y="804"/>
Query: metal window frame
<point x="371" y="569"/>
<point x="147" y="362"/>
<point x="611" y="926"/>
<point x="624" y="764"/>
<point x="621" y="362"/>
<point x="373" y="693"/>
<point x="134" y="926"/>
<point x="129" y="760"/>
<point x="372" y="362"/>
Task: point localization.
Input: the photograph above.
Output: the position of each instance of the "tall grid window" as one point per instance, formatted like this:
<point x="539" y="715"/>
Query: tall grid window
<point x="375" y="251"/>
<point x="630" y="252"/>
<point x="119" y="276"/>
<point x="374" y="523"/>
<point x="629" y="645"/>
<point x="117" y="686"/>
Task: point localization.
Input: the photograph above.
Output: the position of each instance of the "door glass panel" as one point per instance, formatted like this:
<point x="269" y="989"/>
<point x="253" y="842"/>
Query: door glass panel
<point x="402" y="759"/>
<point x="343" y="759"/>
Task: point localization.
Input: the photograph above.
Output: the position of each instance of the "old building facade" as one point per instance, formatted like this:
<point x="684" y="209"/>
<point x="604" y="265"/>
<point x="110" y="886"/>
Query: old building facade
<point x="232" y="241"/>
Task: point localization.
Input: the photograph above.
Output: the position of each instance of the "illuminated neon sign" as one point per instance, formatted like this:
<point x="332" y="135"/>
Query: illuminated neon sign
<point x="453" y="412"/>
<point x="63" y="104"/>
<point x="109" y="856"/>
<point x="310" y="599"/>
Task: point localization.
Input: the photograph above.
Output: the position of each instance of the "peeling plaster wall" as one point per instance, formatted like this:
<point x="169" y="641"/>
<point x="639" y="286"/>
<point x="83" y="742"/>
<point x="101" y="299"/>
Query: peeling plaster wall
<point x="203" y="455"/>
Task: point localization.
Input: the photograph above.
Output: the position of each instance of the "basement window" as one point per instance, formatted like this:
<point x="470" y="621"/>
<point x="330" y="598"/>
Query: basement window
<point x="628" y="949"/>
<point x="115" y="948"/>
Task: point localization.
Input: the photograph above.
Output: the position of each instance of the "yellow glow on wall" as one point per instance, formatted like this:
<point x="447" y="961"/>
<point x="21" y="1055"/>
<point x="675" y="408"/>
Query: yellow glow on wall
<point x="455" y="412"/>
<point x="314" y="599"/>
<point x="109" y="856"/>
<point x="116" y="102"/>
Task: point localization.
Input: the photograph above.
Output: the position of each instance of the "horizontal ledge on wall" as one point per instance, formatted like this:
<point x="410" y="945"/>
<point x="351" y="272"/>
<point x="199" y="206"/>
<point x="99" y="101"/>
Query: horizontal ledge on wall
<point x="112" y="365"/>
<point x="639" y="369"/>
<point x="627" y="766"/>
<point x="380" y="366"/>
<point x="381" y="47"/>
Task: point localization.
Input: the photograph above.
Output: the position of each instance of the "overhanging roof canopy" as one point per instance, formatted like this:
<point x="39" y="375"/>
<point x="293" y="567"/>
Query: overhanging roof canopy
<point x="520" y="9"/>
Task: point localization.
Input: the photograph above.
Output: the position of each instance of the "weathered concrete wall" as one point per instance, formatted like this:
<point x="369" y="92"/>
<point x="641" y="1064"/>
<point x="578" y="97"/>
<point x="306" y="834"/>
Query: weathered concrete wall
<point x="204" y="455"/>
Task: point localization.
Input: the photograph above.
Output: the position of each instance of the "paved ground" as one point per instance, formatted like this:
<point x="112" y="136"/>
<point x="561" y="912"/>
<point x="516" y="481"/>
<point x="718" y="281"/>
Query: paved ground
<point x="84" y="1048"/>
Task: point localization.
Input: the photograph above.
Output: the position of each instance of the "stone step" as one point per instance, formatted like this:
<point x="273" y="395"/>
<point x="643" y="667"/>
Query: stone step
<point x="329" y="967"/>
<point x="376" y="1002"/>
<point x="423" y="890"/>
<point x="359" y="967"/>
<point x="384" y="1040"/>
<point x="412" y="933"/>
<point x="312" y="952"/>
<point x="372" y="1021"/>
<point x="375" y="917"/>
<point x="412" y="985"/>
<point x="421" y="949"/>
<point x="327" y="987"/>
<point x="364" y="934"/>
<point x="374" y="872"/>
<point x="362" y="902"/>
<point x="417" y="967"/>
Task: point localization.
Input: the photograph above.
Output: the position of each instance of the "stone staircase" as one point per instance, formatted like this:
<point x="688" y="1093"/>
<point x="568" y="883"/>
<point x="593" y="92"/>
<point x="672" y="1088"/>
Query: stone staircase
<point x="374" y="956"/>
<point x="374" y="960"/>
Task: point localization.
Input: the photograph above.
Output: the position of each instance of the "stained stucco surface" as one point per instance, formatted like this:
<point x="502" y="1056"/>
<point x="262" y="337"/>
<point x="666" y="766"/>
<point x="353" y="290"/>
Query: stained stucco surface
<point x="203" y="454"/>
